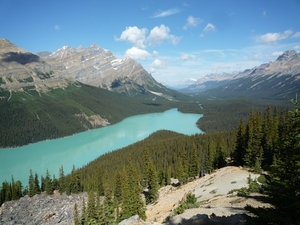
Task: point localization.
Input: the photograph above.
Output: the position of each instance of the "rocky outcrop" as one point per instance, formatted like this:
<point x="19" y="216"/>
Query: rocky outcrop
<point x="41" y="209"/>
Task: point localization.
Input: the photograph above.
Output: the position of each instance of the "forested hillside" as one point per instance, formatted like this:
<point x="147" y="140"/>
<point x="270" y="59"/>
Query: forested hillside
<point x="31" y="116"/>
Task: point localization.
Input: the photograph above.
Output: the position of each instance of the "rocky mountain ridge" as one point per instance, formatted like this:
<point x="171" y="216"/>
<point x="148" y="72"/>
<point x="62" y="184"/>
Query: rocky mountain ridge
<point x="22" y="70"/>
<point x="280" y="78"/>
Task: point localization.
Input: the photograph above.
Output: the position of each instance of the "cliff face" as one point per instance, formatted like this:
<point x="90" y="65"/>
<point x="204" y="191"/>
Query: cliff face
<point x="100" y="68"/>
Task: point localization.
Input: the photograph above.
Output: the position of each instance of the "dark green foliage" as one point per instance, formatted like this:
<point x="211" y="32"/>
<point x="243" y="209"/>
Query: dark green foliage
<point x="62" y="180"/>
<point x="150" y="179"/>
<point x="75" y="181"/>
<point x="76" y="215"/>
<point x="189" y="202"/>
<point x="10" y="191"/>
<point x="283" y="183"/>
<point x="48" y="184"/>
<point x="30" y="116"/>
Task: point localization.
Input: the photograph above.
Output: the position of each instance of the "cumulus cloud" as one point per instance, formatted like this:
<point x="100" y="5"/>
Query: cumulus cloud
<point x="209" y="28"/>
<point x="192" y="22"/>
<point x="157" y="64"/>
<point x="296" y="35"/>
<point x="273" y="38"/>
<point x="159" y="34"/>
<point x="135" y="36"/>
<point x="165" y="13"/>
<point x="137" y="53"/>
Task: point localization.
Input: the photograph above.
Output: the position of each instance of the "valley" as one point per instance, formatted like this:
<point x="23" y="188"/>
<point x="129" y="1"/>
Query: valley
<point x="249" y="120"/>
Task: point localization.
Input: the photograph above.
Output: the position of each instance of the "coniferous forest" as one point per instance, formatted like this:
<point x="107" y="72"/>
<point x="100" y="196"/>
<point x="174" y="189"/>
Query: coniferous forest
<point x="122" y="182"/>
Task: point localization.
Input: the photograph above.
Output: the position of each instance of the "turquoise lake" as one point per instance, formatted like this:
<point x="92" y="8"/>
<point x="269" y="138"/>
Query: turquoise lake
<point x="84" y="147"/>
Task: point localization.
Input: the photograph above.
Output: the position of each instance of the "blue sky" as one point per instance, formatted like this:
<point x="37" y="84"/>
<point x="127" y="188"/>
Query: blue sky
<point x="176" y="41"/>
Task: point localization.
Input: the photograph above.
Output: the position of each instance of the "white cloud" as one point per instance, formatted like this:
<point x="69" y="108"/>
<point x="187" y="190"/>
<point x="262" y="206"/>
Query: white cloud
<point x="57" y="27"/>
<point x="157" y="64"/>
<point x="296" y="35"/>
<point x="135" y="36"/>
<point x="165" y="13"/>
<point x="297" y="47"/>
<point x="137" y="53"/>
<point x="159" y="34"/>
<point x="264" y="13"/>
<point x="192" y="22"/>
<point x="273" y="38"/>
<point x="275" y="54"/>
<point x="209" y="28"/>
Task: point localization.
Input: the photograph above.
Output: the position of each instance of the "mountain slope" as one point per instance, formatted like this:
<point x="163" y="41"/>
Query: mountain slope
<point x="278" y="79"/>
<point x="30" y="116"/>
<point x="100" y="68"/>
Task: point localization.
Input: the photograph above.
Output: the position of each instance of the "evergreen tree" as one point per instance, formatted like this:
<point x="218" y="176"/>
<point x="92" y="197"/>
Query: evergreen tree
<point x="62" y="180"/>
<point x="91" y="207"/>
<point x="283" y="184"/>
<point x="240" y="146"/>
<point x="37" y="189"/>
<point x="75" y="181"/>
<point x="109" y="207"/>
<point x="152" y="184"/>
<point x="194" y="165"/>
<point x="76" y="215"/>
<point x="254" y="152"/>
<point x="150" y="179"/>
<point x="48" y="184"/>
<point x="31" y="189"/>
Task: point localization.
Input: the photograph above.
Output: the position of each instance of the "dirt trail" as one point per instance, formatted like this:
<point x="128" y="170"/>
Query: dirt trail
<point x="211" y="191"/>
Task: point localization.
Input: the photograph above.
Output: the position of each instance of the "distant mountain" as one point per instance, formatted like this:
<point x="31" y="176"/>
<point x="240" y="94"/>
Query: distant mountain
<point x="100" y="68"/>
<point x="21" y="70"/>
<point x="95" y="66"/>
<point x="277" y="79"/>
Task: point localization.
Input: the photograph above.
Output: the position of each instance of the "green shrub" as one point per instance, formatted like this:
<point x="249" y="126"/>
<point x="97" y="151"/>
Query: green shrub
<point x="188" y="203"/>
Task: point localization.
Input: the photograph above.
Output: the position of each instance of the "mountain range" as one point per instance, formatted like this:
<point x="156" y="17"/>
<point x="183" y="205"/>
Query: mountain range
<point x="279" y="79"/>
<point x="93" y="66"/>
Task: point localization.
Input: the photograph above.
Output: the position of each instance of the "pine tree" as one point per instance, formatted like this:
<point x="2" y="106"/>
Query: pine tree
<point x="194" y="164"/>
<point x="91" y="207"/>
<point x="62" y="180"/>
<point x="48" y="184"/>
<point x="254" y="152"/>
<point x="240" y="146"/>
<point x="283" y="184"/>
<point x="109" y="207"/>
<point x="75" y="181"/>
<point x="36" y="187"/>
<point x="150" y="179"/>
<point x="152" y="184"/>
<point x="31" y="191"/>
<point x="76" y="215"/>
